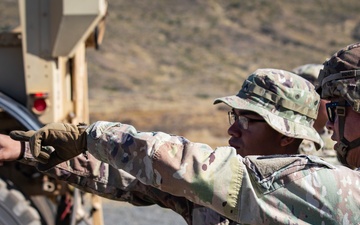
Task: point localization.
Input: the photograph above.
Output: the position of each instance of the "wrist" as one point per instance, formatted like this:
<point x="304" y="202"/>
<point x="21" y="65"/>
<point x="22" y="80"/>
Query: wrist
<point x="22" y="150"/>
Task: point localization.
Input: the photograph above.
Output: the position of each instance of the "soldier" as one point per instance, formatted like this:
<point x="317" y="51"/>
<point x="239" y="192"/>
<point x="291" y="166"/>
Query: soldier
<point x="311" y="72"/>
<point x="274" y="109"/>
<point x="339" y="82"/>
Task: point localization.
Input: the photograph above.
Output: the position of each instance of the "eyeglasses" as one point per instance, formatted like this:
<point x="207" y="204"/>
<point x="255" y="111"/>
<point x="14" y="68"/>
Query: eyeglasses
<point x="335" y="108"/>
<point x="241" y="120"/>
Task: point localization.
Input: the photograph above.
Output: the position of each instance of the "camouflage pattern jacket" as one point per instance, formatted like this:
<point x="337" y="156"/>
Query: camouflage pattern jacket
<point x="252" y="190"/>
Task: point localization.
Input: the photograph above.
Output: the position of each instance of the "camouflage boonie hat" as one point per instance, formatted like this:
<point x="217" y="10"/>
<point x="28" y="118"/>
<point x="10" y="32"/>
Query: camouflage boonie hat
<point x="340" y="76"/>
<point x="287" y="102"/>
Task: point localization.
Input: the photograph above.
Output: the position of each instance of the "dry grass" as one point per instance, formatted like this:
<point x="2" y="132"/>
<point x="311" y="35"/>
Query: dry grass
<point x="163" y="62"/>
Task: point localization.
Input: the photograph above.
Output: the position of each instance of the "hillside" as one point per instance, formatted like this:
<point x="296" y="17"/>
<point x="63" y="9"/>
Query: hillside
<point x="163" y="62"/>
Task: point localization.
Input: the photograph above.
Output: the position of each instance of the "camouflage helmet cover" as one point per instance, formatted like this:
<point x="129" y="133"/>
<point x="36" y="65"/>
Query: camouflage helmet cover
<point x="287" y="102"/>
<point x="340" y="77"/>
<point x="309" y="71"/>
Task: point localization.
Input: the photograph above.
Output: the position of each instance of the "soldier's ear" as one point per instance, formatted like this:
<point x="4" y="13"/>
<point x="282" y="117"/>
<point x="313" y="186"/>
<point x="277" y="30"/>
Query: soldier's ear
<point x="285" y="141"/>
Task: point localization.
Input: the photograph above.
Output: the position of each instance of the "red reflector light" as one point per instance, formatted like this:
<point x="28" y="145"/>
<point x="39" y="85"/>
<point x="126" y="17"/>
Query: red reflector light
<point x="39" y="95"/>
<point x="40" y="104"/>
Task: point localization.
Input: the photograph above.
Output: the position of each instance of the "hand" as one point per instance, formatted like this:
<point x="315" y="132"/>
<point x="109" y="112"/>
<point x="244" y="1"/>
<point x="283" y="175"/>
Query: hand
<point x="10" y="150"/>
<point x="65" y="140"/>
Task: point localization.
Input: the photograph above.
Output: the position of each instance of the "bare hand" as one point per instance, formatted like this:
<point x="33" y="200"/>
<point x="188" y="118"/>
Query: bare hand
<point x="10" y="150"/>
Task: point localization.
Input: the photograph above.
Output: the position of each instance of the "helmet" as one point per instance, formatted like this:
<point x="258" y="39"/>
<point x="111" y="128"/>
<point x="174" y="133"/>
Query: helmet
<point x="341" y="76"/>
<point x="309" y="71"/>
<point x="340" y="79"/>
<point x="287" y="102"/>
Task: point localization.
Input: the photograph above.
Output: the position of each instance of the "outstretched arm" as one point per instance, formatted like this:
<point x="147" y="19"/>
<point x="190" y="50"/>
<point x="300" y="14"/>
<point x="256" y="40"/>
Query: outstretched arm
<point x="10" y="150"/>
<point x="90" y="175"/>
<point x="252" y="190"/>
<point x="171" y="163"/>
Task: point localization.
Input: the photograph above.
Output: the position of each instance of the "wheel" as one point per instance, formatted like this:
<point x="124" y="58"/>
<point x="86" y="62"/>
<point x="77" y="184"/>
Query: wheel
<point x="15" y="209"/>
<point x="46" y="209"/>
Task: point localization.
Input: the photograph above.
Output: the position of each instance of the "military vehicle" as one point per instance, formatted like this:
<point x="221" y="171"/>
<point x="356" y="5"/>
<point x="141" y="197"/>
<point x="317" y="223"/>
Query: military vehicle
<point x="43" y="79"/>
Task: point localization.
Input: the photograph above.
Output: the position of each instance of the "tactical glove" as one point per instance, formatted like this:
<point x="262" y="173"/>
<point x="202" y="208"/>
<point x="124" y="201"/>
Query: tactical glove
<point x="54" y="143"/>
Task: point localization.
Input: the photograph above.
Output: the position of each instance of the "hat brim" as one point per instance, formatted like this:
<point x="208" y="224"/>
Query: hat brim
<point x="278" y="123"/>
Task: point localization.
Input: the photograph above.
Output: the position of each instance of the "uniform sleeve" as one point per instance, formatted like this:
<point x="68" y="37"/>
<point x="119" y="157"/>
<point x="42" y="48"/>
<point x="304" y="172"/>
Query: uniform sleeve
<point x="91" y="175"/>
<point x="172" y="163"/>
<point x="295" y="189"/>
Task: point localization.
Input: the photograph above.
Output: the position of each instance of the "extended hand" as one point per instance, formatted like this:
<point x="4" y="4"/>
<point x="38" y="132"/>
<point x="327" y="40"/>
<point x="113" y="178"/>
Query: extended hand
<point x="10" y="150"/>
<point x="66" y="140"/>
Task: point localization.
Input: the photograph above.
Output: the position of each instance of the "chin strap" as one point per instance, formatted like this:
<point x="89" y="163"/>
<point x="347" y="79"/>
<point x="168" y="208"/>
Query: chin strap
<point x="344" y="146"/>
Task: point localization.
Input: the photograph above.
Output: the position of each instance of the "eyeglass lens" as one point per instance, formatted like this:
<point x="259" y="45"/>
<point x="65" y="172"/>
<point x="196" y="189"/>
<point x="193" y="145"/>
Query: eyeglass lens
<point x="241" y="120"/>
<point x="330" y="109"/>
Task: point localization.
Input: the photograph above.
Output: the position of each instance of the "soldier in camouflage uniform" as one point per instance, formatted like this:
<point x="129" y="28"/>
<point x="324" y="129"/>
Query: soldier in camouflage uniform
<point x="340" y="83"/>
<point x="139" y="194"/>
<point x="311" y="72"/>
<point x="250" y="190"/>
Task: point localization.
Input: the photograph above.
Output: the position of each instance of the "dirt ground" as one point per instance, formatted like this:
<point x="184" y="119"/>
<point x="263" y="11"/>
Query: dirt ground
<point x="118" y="213"/>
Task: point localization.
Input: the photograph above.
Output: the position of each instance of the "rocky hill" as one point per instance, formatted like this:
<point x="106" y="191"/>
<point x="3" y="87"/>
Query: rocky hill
<point x="162" y="62"/>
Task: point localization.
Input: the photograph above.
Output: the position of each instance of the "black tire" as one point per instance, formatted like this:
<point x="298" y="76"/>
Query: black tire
<point x="15" y="209"/>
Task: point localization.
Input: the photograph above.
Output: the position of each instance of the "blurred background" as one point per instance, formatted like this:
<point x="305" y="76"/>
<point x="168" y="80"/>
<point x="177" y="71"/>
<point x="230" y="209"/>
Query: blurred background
<point x="162" y="62"/>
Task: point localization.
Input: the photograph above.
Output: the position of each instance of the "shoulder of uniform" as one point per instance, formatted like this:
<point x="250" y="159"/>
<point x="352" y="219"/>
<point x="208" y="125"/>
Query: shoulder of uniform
<point x="274" y="171"/>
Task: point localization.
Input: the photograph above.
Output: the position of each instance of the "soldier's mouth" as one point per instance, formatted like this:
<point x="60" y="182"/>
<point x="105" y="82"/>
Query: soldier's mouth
<point x="231" y="143"/>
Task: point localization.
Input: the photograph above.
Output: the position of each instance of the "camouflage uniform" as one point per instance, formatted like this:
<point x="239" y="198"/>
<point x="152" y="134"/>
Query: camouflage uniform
<point x="311" y="72"/>
<point x="251" y="190"/>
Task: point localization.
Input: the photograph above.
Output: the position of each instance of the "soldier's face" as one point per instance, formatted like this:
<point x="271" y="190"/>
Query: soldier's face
<point x="258" y="139"/>
<point x="351" y="132"/>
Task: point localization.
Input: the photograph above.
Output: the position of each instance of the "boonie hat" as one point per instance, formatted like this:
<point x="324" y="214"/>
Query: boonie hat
<point x="287" y="102"/>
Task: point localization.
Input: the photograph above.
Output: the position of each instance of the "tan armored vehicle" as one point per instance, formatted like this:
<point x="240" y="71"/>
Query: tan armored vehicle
<point x="43" y="79"/>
